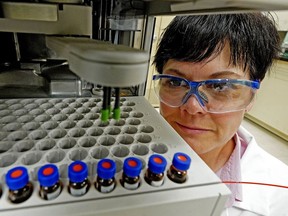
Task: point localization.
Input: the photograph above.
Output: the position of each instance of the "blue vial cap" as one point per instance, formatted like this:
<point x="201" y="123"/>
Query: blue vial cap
<point x="17" y="178"/>
<point x="77" y="171"/>
<point x="181" y="161"/>
<point x="48" y="175"/>
<point x="106" y="168"/>
<point x="157" y="164"/>
<point x="132" y="167"/>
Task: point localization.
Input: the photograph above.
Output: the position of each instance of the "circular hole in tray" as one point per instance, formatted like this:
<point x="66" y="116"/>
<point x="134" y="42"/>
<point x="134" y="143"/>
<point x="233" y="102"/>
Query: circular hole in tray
<point x="87" y="142"/>
<point x="76" y="116"/>
<point x="66" y="143"/>
<point x="37" y="134"/>
<point x="59" y="117"/>
<point x="95" y="110"/>
<point x="47" y="106"/>
<point x="52" y="111"/>
<point x="55" y="156"/>
<point x="3" y="106"/>
<point x="11" y="127"/>
<point x="31" y="106"/>
<point x="57" y="133"/>
<point x="146" y="129"/>
<point x="99" y="152"/>
<point x="137" y="114"/>
<point x="92" y="116"/>
<point x="82" y="100"/>
<point x="69" y="100"/>
<point x="17" y="135"/>
<point x="94" y="131"/>
<point x="126" y="109"/>
<point x="143" y="138"/>
<point x="25" y="118"/>
<point x="5" y="146"/>
<point x="124" y="115"/>
<point x="75" y="105"/>
<point x="76" y="132"/>
<point x="31" y="158"/>
<point x="129" y="103"/>
<point x="3" y="135"/>
<point x="8" y="159"/>
<point x="27" y="101"/>
<point x="4" y="113"/>
<point x="95" y="100"/>
<point x="106" y="140"/>
<point x="120" y="151"/>
<point x="7" y="119"/>
<point x="83" y="110"/>
<point x="41" y="101"/>
<point x="45" y="144"/>
<point x="23" y="146"/>
<point x="103" y="124"/>
<point x="67" y="124"/>
<point x="55" y="100"/>
<point x="42" y="118"/>
<point x="78" y="154"/>
<point x="49" y="125"/>
<point x="20" y="112"/>
<point x="37" y="112"/>
<point x="120" y="122"/>
<point x="12" y="101"/>
<point x="125" y="139"/>
<point x="30" y="126"/>
<point x="140" y="150"/>
<point x="16" y="106"/>
<point x="85" y="123"/>
<point x="134" y="122"/>
<point x="113" y="130"/>
<point x="159" y="148"/>
<point x="90" y="104"/>
<point x="68" y="110"/>
<point x="130" y="130"/>
<point x="61" y="105"/>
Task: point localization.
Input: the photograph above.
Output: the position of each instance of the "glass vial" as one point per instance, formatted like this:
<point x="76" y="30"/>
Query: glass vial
<point x="131" y="171"/>
<point x="50" y="185"/>
<point x="178" y="170"/>
<point x="155" y="173"/>
<point x="105" y="181"/>
<point x="20" y="189"/>
<point x="78" y="178"/>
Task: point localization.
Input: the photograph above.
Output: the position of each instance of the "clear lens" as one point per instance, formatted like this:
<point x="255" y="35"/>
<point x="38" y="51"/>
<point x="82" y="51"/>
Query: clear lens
<point x="216" y="96"/>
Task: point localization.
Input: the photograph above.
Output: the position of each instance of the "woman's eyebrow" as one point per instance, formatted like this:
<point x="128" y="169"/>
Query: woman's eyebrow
<point x="223" y="74"/>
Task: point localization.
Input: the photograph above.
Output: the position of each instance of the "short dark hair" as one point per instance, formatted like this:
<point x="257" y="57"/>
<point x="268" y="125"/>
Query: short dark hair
<point x="253" y="39"/>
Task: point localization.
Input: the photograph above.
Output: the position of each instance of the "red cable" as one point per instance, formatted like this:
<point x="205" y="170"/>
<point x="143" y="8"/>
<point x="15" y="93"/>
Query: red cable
<point x="255" y="183"/>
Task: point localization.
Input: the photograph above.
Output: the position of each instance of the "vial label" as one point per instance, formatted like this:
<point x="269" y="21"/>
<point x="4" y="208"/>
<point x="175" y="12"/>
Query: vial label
<point x="133" y="186"/>
<point x="50" y="195"/>
<point x="78" y="192"/>
<point x="157" y="183"/>
<point x="106" y="189"/>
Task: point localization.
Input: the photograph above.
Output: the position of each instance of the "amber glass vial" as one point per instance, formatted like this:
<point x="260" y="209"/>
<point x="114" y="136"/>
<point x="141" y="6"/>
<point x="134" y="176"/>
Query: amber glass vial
<point x="131" y="171"/>
<point x="20" y="189"/>
<point x="178" y="169"/>
<point x="155" y="172"/>
<point x="105" y="181"/>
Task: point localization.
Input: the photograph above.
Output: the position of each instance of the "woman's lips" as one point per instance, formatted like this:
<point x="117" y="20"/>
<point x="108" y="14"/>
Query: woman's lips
<point x="192" y="129"/>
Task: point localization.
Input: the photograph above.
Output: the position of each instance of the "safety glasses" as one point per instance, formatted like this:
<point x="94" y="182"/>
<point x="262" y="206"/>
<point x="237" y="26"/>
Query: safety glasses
<point x="214" y="96"/>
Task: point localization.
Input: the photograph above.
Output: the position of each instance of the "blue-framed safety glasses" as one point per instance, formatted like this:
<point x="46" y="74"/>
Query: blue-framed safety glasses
<point x="214" y="95"/>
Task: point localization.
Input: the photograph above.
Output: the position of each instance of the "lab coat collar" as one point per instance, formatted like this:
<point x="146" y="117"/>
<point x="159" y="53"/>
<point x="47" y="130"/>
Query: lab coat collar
<point x="253" y="199"/>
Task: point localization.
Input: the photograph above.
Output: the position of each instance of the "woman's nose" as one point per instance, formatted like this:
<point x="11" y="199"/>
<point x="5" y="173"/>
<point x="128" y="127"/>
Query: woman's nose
<point x="192" y="105"/>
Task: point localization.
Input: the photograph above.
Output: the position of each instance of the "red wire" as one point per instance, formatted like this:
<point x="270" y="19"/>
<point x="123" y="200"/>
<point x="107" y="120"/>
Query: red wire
<point x="255" y="183"/>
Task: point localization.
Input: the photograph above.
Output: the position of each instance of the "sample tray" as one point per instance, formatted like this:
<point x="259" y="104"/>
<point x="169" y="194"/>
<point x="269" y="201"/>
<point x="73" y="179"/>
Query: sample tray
<point x="38" y="131"/>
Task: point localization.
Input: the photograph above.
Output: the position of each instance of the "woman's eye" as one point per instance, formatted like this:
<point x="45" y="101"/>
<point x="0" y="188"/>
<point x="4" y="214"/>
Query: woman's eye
<point x="220" y="86"/>
<point x="175" y="83"/>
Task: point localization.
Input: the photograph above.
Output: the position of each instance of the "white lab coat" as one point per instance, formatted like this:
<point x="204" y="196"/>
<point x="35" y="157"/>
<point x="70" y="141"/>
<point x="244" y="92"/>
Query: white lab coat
<point x="259" y="166"/>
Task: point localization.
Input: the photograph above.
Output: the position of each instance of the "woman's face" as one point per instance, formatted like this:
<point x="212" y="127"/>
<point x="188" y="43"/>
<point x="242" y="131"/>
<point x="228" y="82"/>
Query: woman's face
<point x="207" y="134"/>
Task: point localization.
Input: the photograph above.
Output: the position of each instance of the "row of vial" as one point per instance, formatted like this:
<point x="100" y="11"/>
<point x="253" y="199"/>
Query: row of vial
<point x="20" y="188"/>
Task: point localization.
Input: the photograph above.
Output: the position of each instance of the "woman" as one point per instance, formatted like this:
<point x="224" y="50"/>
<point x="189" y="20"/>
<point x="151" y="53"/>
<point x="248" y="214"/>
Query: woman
<point x="210" y="68"/>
